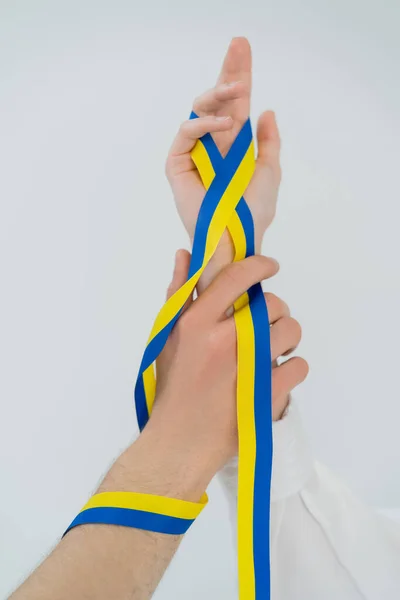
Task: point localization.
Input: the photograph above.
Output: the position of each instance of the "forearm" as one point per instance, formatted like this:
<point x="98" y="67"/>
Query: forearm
<point x="190" y="435"/>
<point x="104" y="561"/>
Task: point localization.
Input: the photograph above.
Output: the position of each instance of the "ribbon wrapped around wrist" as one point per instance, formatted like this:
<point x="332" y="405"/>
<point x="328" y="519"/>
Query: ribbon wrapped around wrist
<point x="141" y="511"/>
<point x="223" y="207"/>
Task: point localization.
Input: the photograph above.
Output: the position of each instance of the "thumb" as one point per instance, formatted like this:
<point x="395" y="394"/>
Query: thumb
<point x="180" y="274"/>
<point x="268" y="140"/>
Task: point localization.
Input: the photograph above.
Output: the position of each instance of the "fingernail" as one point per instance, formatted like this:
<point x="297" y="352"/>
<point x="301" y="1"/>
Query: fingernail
<point x="223" y="118"/>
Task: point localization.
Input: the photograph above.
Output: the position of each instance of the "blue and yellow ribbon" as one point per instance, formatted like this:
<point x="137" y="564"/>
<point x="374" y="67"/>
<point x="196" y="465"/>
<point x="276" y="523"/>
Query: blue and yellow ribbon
<point x="141" y="511"/>
<point x="223" y="207"/>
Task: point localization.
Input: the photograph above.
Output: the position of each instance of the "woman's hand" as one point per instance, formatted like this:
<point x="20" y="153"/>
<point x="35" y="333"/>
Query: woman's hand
<point x="223" y="110"/>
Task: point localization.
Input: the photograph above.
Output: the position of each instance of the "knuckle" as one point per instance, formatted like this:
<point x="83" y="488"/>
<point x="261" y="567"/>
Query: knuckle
<point x="271" y="298"/>
<point x="294" y="327"/>
<point x="235" y="272"/>
<point x="184" y="128"/>
<point x="252" y="266"/>
<point x="276" y="304"/>
<point x="259" y="260"/>
<point x="299" y="370"/>
<point x="197" y="101"/>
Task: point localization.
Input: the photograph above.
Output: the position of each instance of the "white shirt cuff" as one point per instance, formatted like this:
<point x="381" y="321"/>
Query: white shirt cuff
<point x="292" y="464"/>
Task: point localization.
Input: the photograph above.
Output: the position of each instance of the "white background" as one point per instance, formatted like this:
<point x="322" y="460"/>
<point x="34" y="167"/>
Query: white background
<point x="91" y="95"/>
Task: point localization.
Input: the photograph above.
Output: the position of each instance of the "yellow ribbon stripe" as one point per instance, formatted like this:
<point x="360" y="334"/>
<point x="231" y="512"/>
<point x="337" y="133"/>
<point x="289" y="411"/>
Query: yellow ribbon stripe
<point x="160" y="505"/>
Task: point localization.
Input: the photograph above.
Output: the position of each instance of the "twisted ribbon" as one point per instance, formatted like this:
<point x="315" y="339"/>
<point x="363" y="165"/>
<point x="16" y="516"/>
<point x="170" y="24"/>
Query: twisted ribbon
<point x="223" y="207"/>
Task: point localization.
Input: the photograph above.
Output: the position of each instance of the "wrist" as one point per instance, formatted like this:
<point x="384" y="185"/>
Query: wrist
<point x="155" y="465"/>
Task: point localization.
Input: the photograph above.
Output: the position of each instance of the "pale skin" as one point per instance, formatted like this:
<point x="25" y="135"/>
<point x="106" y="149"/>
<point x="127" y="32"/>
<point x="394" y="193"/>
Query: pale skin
<point x="223" y="110"/>
<point x="192" y="432"/>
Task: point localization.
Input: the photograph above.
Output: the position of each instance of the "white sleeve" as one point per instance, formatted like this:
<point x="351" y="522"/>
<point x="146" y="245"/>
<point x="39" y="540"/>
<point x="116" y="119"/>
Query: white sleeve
<point x="325" y="544"/>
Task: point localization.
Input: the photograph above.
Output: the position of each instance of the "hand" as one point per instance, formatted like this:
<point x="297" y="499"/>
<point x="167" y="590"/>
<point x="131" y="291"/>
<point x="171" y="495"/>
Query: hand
<point x="194" y="425"/>
<point x="223" y="110"/>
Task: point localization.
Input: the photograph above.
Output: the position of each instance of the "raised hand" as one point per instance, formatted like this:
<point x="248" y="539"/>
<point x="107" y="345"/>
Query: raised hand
<point x="222" y="112"/>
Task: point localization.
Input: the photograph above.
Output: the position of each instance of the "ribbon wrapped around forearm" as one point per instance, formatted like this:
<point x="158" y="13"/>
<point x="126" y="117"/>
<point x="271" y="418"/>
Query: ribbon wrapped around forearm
<point x="223" y="207"/>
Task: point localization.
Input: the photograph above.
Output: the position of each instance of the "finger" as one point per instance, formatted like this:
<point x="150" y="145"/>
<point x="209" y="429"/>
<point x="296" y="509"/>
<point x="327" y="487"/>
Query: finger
<point x="284" y="379"/>
<point x="268" y="140"/>
<point x="237" y="63"/>
<point x="214" y="99"/>
<point x="231" y="283"/>
<point x="277" y="308"/>
<point x="285" y="336"/>
<point x="237" y="67"/>
<point x="180" y="275"/>
<point x="190" y="131"/>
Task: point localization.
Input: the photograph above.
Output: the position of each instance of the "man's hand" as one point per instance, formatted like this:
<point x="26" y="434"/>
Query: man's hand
<point x="223" y="110"/>
<point x="196" y="372"/>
